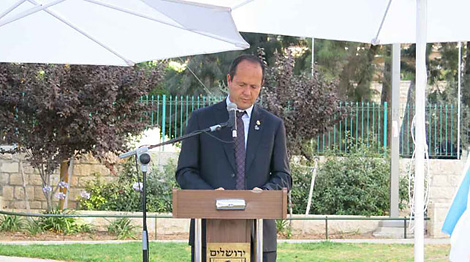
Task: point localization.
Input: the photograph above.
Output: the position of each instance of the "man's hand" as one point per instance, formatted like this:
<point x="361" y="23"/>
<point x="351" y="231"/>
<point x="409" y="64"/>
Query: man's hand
<point x="220" y="188"/>
<point x="257" y="189"/>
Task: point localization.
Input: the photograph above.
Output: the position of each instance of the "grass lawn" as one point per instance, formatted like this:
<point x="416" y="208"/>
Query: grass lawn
<point x="176" y="252"/>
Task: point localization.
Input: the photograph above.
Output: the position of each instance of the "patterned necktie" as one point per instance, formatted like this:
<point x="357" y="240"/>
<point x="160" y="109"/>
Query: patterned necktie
<point x="240" y="152"/>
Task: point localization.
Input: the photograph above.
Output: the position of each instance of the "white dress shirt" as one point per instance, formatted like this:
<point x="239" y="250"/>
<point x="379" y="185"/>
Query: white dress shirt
<point x="246" y="119"/>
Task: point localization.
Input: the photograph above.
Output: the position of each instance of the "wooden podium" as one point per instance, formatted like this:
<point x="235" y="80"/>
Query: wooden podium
<point x="230" y="217"/>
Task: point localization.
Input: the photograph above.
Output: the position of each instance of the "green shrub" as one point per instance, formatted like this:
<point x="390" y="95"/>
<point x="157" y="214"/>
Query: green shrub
<point x="33" y="227"/>
<point x="120" y="196"/>
<point x="301" y="177"/>
<point x="284" y="228"/>
<point x="61" y="224"/>
<point x="122" y="228"/>
<point x="11" y="223"/>
<point x="354" y="184"/>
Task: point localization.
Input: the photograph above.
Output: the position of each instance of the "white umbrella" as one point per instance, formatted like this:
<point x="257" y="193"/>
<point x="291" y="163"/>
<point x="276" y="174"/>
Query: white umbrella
<point x="112" y="32"/>
<point x="368" y="21"/>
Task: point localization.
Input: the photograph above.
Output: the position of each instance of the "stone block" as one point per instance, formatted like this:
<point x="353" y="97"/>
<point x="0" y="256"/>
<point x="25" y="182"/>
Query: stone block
<point x="74" y="181"/>
<point x="35" y="205"/>
<point x="9" y="167"/>
<point x="168" y="226"/>
<point x="18" y="205"/>
<point x="454" y="180"/>
<point x="84" y="181"/>
<point x="90" y="169"/>
<point x="16" y="180"/>
<point x="38" y="194"/>
<point x="440" y="181"/>
<point x="4" y="177"/>
<point x="440" y="194"/>
<point x="28" y="169"/>
<point x="19" y="193"/>
<point x="6" y="204"/>
<point x="6" y="156"/>
<point x="8" y="193"/>
<point x="34" y="180"/>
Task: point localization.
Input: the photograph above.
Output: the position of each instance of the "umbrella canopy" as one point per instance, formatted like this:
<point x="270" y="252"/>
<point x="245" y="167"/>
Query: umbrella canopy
<point x="112" y="32"/>
<point x="367" y="21"/>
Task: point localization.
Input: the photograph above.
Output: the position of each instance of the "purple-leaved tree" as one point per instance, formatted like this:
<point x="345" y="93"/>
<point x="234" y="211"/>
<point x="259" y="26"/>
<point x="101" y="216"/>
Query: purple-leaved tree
<point x="55" y="112"/>
<point x="306" y="104"/>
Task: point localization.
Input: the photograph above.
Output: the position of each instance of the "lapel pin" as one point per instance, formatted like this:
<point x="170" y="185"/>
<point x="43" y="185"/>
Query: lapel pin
<point x="258" y="123"/>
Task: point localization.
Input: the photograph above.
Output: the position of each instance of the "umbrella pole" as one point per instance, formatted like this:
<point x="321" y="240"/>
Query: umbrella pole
<point x="421" y="81"/>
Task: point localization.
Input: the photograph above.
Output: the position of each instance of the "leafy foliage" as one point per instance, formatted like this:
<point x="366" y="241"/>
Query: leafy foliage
<point x="11" y="223"/>
<point x="355" y="184"/>
<point x="61" y="224"/>
<point x="283" y="228"/>
<point x="56" y="111"/>
<point x="120" y="196"/>
<point x="305" y="103"/>
<point x="206" y="74"/>
<point x="33" y="227"/>
<point x="122" y="228"/>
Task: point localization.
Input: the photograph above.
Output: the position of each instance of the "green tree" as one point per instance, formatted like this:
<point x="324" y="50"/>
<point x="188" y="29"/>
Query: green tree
<point x="206" y="74"/>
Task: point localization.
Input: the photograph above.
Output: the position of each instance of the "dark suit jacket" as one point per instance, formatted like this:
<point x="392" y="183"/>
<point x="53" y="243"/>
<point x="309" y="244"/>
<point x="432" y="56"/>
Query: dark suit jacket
<point x="207" y="163"/>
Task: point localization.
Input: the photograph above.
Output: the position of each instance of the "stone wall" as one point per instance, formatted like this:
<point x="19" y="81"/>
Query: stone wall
<point x="84" y="171"/>
<point x="445" y="179"/>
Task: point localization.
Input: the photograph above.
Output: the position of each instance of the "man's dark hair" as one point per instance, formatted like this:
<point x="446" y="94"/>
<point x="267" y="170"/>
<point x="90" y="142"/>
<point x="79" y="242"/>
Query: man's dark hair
<point x="239" y="59"/>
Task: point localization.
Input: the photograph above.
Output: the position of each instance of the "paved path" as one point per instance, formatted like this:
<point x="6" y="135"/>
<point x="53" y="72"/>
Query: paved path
<point x="24" y="259"/>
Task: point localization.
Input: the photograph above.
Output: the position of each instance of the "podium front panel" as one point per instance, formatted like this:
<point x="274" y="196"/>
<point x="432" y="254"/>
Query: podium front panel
<point x="266" y="204"/>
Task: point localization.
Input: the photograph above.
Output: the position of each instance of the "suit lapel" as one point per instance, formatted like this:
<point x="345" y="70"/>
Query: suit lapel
<point x="254" y="136"/>
<point x="226" y="133"/>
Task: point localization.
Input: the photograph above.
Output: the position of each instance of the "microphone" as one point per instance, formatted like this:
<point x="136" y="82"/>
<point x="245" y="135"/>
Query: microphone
<point x="232" y="119"/>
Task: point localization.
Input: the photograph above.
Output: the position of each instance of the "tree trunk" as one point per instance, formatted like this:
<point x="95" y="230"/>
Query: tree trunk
<point x="26" y="197"/>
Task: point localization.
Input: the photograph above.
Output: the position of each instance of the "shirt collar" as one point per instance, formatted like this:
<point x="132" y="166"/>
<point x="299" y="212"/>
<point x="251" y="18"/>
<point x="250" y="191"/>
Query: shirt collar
<point x="248" y="110"/>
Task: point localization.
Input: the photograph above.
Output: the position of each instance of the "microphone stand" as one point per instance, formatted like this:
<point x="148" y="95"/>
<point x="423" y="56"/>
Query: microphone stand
<point x="144" y="159"/>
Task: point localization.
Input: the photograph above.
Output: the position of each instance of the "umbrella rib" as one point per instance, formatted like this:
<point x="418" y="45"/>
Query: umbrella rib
<point x="52" y="13"/>
<point x="11" y="8"/>
<point x="242" y="4"/>
<point x="166" y="23"/>
<point x="37" y="8"/>
<point x="224" y="8"/>
<point x="376" y="40"/>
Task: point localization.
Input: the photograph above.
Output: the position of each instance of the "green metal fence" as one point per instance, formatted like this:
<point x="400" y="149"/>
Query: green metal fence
<point x="441" y="131"/>
<point x="361" y="122"/>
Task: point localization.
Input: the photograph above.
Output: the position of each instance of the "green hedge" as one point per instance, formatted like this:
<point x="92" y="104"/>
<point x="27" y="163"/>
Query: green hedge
<point x="356" y="184"/>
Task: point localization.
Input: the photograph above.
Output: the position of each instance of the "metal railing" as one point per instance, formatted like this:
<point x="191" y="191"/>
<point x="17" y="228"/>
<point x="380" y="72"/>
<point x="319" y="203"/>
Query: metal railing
<point x="156" y="216"/>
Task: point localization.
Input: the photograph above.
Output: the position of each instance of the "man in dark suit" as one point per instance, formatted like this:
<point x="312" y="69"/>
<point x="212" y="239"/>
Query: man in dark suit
<point x="257" y="159"/>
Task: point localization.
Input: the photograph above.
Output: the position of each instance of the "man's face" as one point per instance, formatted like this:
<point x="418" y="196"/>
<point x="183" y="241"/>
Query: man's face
<point x="246" y="84"/>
